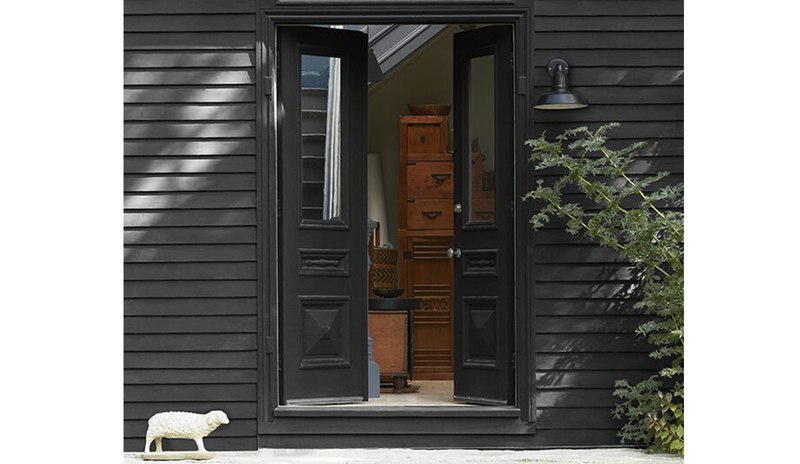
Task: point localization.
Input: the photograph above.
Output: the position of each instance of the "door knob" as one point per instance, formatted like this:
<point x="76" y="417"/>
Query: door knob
<point x="457" y="208"/>
<point x="453" y="253"/>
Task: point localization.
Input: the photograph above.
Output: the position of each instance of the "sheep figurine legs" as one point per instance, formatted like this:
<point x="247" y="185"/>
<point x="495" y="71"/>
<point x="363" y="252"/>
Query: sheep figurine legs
<point x="188" y="425"/>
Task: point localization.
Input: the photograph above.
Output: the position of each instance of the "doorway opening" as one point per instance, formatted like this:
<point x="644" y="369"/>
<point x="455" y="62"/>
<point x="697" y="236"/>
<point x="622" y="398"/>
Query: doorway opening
<point x="425" y="157"/>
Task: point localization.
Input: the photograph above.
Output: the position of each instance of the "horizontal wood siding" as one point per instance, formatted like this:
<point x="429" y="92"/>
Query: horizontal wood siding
<point x="190" y="217"/>
<point x="626" y="57"/>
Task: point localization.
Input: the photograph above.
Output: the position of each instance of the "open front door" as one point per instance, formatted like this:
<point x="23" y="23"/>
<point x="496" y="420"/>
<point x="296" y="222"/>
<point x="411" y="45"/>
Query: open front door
<point x="483" y="230"/>
<point x="322" y="91"/>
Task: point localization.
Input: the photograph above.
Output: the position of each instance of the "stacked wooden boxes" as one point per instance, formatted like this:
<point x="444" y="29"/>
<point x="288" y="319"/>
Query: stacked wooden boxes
<point x="426" y="232"/>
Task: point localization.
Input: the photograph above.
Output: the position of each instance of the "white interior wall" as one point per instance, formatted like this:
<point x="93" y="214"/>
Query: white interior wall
<point x="426" y="77"/>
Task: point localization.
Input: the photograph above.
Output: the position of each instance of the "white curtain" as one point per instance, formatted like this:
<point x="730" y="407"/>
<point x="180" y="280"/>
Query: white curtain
<point x="331" y="207"/>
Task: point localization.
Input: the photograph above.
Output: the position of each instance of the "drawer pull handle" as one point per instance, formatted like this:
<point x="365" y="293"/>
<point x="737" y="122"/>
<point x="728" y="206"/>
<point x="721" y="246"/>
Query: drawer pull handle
<point x="422" y="138"/>
<point x="440" y="177"/>
<point x="484" y="214"/>
<point x="432" y="214"/>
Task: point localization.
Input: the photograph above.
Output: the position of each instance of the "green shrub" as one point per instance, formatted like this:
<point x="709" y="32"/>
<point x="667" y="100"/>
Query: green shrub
<point x="644" y="223"/>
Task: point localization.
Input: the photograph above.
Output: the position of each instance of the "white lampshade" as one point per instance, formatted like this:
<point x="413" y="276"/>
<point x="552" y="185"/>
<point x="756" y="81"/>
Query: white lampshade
<point x="376" y="195"/>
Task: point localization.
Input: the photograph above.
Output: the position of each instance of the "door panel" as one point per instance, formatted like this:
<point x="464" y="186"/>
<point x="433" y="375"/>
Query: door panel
<point x="322" y="165"/>
<point x="483" y="185"/>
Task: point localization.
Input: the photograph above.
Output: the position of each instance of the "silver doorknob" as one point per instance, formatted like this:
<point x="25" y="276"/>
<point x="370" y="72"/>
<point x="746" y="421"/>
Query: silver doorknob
<point x="457" y="208"/>
<point x="453" y="253"/>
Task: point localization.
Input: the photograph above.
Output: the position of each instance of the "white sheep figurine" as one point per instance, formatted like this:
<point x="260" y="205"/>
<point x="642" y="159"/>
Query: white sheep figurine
<point x="177" y="424"/>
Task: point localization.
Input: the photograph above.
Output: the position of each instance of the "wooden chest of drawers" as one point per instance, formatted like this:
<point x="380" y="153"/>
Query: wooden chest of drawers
<point x="426" y="232"/>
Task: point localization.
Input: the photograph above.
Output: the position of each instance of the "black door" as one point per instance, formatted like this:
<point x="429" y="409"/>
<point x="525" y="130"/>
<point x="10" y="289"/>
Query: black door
<point x="482" y="235"/>
<point x="322" y="91"/>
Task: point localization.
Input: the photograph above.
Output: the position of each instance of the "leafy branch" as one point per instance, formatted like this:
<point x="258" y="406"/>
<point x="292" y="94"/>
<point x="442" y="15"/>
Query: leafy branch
<point x="645" y="225"/>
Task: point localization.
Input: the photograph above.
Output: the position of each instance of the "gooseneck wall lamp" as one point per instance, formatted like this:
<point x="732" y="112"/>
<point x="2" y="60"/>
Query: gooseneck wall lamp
<point x="560" y="97"/>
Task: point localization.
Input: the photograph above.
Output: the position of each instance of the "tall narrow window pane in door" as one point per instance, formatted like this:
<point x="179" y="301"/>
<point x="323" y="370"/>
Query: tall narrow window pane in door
<point x="322" y="140"/>
<point x="481" y="136"/>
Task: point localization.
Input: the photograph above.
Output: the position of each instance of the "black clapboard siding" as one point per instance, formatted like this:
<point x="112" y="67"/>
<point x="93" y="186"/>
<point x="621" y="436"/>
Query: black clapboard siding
<point x="189" y="183"/>
<point x="576" y="398"/>
<point x="577" y="418"/>
<point x="189" y="324"/>
<point x="199" y="200"/>
<point x="196" y="235"/>
<point x="168" y="130"/>
<point x="575" y="307"/>
<point x="234" y="409"/>
<point x="615" y="39"/>
<point x="190" y="342"/>
<point x="194" y="392"/>
<point x="226" y="217"/>
<point x="214" y="76"/>
<point x="189" y="59"/>
<point x="626" y="58"/>
<point x="615" y="58"/>
<point x="598" y="343"/>
<point x="605" y="76"/>
<point x="578" y="8"/>
<point x="594" y="362"/>
<point x="608" y="23"/>
<point x="212" y="443"/>
<point x="190" y="288"/>
<point x="189" y="112"/>
<point x="189" y="147"/>
<point x="152" y="7"/>
<point x="629" y="131"/>
<point x="185" y="360"/>
<point x="546" y="380"/>
<point x="190" y="306"/>
<point x="189" y="41"/>
<point x="193" y="165"/>
<point x="195" y="94"/>
<point x="190" y="22"/>
<point x="189" y="271"/>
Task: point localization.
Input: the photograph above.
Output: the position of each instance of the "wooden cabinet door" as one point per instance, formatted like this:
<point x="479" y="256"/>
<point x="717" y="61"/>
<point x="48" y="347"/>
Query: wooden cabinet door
<point x="322" y="89"/>
<point x="430" y="278"/>
<point x="483" y="279"/>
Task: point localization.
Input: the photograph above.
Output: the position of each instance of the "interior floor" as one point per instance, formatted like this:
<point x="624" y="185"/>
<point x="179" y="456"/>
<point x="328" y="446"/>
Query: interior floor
<point x="430" y="393"/>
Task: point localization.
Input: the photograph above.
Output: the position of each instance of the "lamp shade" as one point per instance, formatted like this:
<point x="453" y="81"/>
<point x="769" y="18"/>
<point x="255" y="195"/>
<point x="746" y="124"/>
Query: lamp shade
<point x="376" y="194"/>
<point x="560" y="97"/>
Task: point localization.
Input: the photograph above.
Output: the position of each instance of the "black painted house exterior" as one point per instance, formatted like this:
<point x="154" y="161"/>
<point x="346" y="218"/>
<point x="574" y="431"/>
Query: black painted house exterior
<point x="201" y="277"/>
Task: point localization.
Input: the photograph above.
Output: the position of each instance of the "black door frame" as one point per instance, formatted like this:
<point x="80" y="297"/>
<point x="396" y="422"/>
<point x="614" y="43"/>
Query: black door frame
<point x="270" y="14"/>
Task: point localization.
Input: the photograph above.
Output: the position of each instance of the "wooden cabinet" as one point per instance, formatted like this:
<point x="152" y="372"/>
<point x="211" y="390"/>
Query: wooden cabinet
<point x="426" y="232"/>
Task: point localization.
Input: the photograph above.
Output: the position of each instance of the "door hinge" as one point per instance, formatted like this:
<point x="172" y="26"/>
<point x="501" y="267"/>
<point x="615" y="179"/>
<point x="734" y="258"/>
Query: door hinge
<point x="269" y="345"/>
<point x="513" y="360"/>
<point x="280" y="208"/>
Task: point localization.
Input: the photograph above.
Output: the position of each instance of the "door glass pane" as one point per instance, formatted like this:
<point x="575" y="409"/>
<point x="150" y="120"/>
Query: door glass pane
<point x="321" y="128"/>
<point x="481" y="136"/>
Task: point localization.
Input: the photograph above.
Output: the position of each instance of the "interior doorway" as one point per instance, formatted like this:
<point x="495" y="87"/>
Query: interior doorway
<point x="445" y="180"/>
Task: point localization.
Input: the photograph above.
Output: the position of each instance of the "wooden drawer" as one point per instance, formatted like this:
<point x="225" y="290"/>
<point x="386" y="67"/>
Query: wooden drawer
<point x="430" y="179"/>
<point x="425" y="138"/>
<point x="482" y="209"/>
<point x="430" y="214"/>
